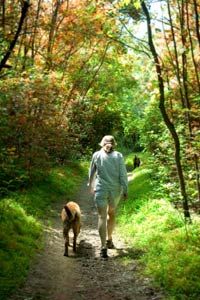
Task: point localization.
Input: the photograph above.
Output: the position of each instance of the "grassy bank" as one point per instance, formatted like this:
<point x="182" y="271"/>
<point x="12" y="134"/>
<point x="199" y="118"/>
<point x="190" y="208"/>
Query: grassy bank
<point x="171" y="249"/>
<point x="21" y="224"/>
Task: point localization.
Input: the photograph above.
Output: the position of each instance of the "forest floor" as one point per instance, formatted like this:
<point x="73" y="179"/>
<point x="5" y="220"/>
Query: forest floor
<point x="85" y="275"/>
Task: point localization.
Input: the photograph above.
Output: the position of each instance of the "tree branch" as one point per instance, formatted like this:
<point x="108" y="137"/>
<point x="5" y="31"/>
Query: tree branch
<point x="24" y="11"/>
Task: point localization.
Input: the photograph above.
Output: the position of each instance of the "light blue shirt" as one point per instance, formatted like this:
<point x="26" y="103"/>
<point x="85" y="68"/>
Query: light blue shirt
<point x="108" y="171"/>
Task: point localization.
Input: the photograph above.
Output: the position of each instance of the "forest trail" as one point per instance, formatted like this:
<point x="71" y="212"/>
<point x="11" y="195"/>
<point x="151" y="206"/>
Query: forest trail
<point x="84" y="275"/>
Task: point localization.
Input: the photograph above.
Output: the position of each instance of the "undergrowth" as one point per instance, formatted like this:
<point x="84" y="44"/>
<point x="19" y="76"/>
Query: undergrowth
<point x="21" y="223"/>
<point x="170" y="248"/>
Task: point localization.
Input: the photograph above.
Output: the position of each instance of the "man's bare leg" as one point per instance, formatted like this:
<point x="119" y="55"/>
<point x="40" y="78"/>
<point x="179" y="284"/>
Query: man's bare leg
<point x="102" y="224"/>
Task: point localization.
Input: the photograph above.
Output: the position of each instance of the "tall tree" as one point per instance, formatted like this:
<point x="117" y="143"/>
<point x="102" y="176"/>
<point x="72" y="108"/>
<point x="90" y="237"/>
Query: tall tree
<point x="166" y="118"/>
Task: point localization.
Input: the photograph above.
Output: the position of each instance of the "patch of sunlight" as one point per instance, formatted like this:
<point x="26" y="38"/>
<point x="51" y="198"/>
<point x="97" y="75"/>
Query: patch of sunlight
<point x="141" y="172"/>
<point x="49" y="229"/>
<point x="61" y="174"/>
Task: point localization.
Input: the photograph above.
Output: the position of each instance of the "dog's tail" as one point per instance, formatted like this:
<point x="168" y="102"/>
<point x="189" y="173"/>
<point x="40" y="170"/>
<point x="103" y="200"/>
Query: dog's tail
<point x="68" y="212"/>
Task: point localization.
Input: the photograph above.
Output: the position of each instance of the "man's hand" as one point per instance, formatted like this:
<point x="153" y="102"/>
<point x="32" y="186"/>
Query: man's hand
<point x="91" y="189"/>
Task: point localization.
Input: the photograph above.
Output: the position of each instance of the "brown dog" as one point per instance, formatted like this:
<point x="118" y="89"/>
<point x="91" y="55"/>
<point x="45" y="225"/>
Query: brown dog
<point x="71" y="217"/>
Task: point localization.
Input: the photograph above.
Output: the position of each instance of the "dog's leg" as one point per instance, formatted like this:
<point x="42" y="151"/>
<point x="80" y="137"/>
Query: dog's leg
<point x="66" y="237"/>
<point x="66" y="248"/>
<point x="75" y="231"/>
<point x="74" y="242"/>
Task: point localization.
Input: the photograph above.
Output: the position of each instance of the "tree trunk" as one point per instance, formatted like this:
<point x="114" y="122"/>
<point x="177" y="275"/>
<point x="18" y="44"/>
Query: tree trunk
<point x="198" y="83"/>
<point x="3" y="3"/>
<point x="177" y="69"/>
<point x="192" y="47"/>
<point x="184" y="63"/>
<point x="197" y="175"/>
<point x="51" y="34"/>
<point x="197" y="21"/>
<point x="35" y="31"/>
<point x="165" y="116"/>
<point x="25" y="46"/>
<point x="24" y="11"/>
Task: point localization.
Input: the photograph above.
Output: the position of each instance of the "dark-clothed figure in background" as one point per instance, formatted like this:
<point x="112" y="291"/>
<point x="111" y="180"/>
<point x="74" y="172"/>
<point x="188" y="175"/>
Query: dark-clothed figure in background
<point x="136" y="162"/>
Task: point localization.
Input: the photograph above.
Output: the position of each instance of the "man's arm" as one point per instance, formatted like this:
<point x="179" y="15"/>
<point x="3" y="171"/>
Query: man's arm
<point x="123" y="177"/>
<point x="92" y="171"/>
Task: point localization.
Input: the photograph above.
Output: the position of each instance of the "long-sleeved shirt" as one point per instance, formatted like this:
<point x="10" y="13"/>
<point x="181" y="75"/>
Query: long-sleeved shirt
<point x="108" y="171"/>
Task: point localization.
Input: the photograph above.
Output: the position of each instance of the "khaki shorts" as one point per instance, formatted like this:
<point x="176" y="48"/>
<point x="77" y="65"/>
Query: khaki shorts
<point x="103" y="198"/>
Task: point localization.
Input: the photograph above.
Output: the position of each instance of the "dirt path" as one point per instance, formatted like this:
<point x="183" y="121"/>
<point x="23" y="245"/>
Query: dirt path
<point x="84" y="275"/>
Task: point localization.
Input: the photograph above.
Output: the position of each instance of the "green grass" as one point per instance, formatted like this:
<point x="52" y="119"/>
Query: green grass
<point x="170" y="249"/>
<point x="20" y="237"/>
<point x="21" y="224"/>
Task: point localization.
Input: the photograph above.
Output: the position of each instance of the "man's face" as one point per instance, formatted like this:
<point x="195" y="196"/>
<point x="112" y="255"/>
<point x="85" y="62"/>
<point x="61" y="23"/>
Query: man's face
<point x="108" y="148"/>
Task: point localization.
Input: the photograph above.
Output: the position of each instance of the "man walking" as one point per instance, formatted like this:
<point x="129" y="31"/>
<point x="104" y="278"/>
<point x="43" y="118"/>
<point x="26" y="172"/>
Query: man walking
<point x="108" y="181"/>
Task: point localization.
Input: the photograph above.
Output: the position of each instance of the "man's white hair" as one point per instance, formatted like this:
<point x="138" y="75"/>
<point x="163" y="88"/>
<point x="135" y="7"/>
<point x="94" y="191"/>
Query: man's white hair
<point x="108" y="139"/>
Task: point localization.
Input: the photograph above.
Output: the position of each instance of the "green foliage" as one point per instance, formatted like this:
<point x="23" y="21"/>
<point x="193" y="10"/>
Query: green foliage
<point x="42" y="122"/>
<point x="59" y="183"/>
<point x="155" y="228"/>
<point x="33" y="132"/>
<point x="20" y="221"/>
<point x="88" y="123"/>
<point x="175" y="264"/>
<point x="20" y="236"/>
